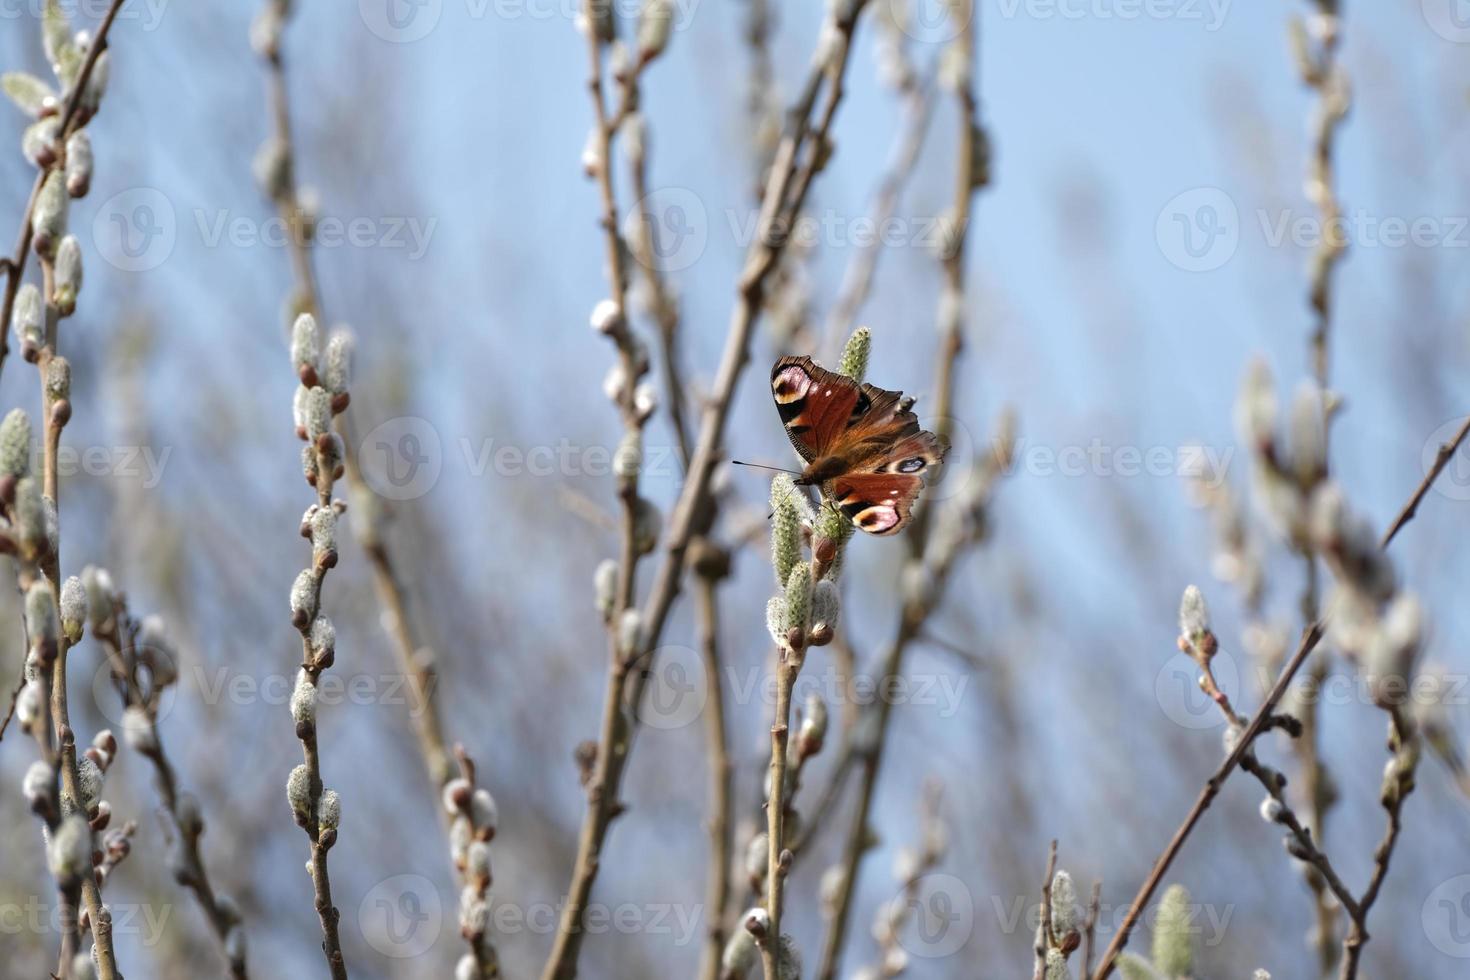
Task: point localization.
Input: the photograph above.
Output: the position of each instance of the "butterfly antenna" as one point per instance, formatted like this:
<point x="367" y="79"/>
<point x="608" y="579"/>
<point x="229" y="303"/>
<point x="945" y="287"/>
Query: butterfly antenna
<point x="763" y="466"/>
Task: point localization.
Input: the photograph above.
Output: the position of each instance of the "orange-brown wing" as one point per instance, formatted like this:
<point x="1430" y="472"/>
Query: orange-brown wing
<point x="816" y="406"/>
<point x="878" y="503"/>
<point x="879" y="497"/>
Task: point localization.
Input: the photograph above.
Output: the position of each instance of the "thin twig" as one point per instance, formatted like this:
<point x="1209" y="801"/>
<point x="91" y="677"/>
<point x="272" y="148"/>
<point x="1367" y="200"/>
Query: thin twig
<point x="720" y="775"/>
<point x="1446" y="452"/>
<point x="1140" y="901"/>
<point x="783" y="200"/>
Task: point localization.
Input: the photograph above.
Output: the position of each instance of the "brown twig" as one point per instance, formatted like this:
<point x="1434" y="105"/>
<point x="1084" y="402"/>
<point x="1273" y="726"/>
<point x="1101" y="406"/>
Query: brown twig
<point x="1044" y="938"/>
<point x="1257" y="724"/>
<point x="915" y="614"/>
<point x="1446" y="452"/>
<point x="119" y="637"/>
<point x="721" y="775"/>
<point x="783" y="200"/>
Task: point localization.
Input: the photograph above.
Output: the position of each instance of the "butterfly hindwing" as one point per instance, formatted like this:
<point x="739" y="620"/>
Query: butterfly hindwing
<point x="878" y="503"/>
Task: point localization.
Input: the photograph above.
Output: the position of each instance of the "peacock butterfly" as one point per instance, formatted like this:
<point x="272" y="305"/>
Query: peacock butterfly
<point x="862" y="445"/>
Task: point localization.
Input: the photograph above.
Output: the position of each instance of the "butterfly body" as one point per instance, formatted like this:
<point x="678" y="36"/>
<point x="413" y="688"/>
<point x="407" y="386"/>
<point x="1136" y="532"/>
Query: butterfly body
<point x="861" y="444"/>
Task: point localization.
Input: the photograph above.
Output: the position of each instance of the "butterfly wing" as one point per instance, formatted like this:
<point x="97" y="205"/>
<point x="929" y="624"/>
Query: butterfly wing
<point x="864" y="436"/>
<point x="878" y="503"/>
<point x="879" y="497"/>
<point x="816" y="406"/>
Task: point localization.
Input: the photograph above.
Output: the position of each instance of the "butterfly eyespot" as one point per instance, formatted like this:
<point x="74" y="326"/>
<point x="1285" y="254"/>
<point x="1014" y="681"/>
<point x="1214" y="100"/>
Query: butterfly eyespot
<point x="911" y="465"/>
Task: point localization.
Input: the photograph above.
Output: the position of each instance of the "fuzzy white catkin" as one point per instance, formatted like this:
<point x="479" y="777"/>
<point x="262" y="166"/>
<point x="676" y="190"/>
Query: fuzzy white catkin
<point x="40" y="612"/>
<point x="788" y="965"/>
<point x="73" y="608"/>
<point x="757" y="855"/>
<point x="15" y="444"/>
<point x="318" y="413"/>
<point x="69" y="853"/>
<point x="298" y="791"/>
<point x="740" y="954"/>
<point x="25" y="317"/>
<point x="338" y="374"/>
<point x="323" y="636"/>
<point x="89" y="782"/>
<point x="826" y="601"/>
<point x="329" y="810"/>
<point x="798" y="597"/>
<point x="306" y="342"/>
<point x="454" y="790"/>
<point x="303" y="699"/>
<point x="1056" y="966"/>
<point x="79" y="163"/>
<point x="474" y="913"/>
<point x="483" y="811"/>
<point x="813" y="719"/>
<point x="605" y="316"/>
<point x="29" y="704"/>
<point x="1255" y="407"/>
<point x="477" y="859"/>
<point x="1063" y="903"/>
<point x="137" y="729"/>
<point x="604" y="585"/>
<point x="628" y="457"/>
<point x="36" y="783"/>
<point x="303" y="594"/>
<point x="1194" y="616"/>
<point x="68" y="275"/>
<point x="1308" y="433"/>
<point x="467" y="968"/>
<point x="775" y="618"/>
